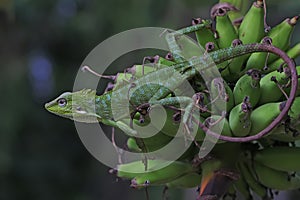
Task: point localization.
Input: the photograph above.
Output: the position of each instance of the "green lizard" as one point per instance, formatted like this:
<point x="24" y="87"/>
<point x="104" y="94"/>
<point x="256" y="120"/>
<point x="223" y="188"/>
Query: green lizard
<point x="86" y="106"/>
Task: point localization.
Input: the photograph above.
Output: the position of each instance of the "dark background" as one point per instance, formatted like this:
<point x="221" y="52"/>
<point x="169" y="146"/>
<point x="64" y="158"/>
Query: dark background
<point x="42" y="45"/>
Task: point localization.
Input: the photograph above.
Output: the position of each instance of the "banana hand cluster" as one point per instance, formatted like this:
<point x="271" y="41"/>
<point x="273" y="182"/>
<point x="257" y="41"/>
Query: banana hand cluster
<point x="254" y="89"/>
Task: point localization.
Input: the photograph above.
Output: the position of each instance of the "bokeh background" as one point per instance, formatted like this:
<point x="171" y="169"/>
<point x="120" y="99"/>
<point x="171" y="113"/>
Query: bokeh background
<point x="42" y="45"/>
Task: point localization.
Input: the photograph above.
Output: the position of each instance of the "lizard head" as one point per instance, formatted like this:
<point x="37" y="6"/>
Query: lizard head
<point x="78" y="106"/>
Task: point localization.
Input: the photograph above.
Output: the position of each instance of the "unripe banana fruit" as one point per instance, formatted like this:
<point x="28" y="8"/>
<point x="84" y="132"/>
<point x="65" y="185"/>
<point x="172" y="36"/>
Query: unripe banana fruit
<point x="284" y="133"/>
<point x="254" y="21"/>
<point x="262" y="116"/>
<point x="239" y="119"/>
<point x="241" y="8"/>
<point x="132" y="145"/>
<point x="205" y="35"/>
<point x="294" y="111"/>
<point x="164" y="175"/>
<point x="242" y="186"/>
<point x="226" y="31"/>
<point x="270" y="86"/>
<point x="280" y="37"/>
<point x="279" y="158"/>
<point x="248" y="85"/>
<point x="154" y="171"/>
<point x="274" y="179"/>
<point x="250" y="180"/>
<point x="293" y="53"/>
<point x="190" y="180"/>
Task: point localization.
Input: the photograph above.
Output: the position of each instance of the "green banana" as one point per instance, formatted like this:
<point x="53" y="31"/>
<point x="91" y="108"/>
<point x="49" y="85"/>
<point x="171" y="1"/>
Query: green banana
<point x="239" y="119"/>
<point x="190" y="180"/>
<point x="262" y="116"/>
<point x="294" y="111"/>
<point x="172" y="127"/>
<point x="285" y="133"/>
<point x="293" y="52"/>
<point x="234" y="68"/>
<point x="280" y="36"/>
<point x="137" y="168"/>
<point x="154" y="142"/>
<point x="254" y="21"/>
<point x="132" y="145"/>
<point x="284" y="137"/>
<point x="248" y="85"/>
<point x="269" y="86"/>
<point x="280" y="158"/>
<point x="205" y="35"/>
<point x="274" y="179"/>
<point x="289" y="129"/>
<point x="179" y="42"/>
<point x="164" y="61"/>
<point x="242" y="187"/>
<point x="164" y="175"/>
<point x="241" y="8"/>
<point x="259" y="189"/>
<point x="226" y="31"/>
<point x="288" y="89"/>
<point x="148" y="144"/>
<point x="222" y="94"/>
<point x="251" y="29"/>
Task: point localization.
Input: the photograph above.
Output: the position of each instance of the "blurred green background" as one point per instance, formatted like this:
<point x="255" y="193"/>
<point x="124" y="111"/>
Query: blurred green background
<point x="42" y="45"/>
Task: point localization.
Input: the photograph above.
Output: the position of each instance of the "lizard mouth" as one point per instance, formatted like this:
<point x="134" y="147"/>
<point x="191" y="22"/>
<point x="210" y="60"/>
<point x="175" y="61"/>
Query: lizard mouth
<point x="47" y="105"/>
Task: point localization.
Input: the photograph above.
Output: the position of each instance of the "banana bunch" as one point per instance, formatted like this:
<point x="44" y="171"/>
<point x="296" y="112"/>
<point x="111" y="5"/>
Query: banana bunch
<point x="254" y="89"/>
<point x="272" y="168"/>
<point x="175" y="174"/>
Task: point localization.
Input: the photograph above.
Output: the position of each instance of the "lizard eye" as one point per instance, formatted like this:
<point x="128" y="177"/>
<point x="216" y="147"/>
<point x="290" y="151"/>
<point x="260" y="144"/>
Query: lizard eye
<point x="62" y="102"/>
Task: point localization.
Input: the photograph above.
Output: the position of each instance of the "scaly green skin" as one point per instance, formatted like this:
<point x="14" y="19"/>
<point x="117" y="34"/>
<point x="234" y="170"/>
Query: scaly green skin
<point x="86" y="106"/>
